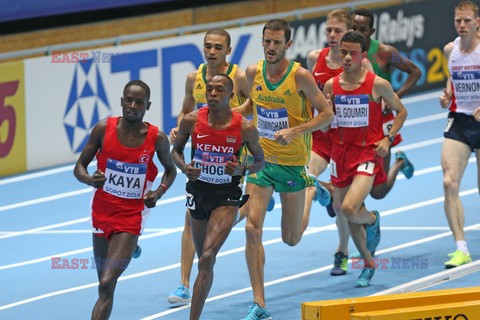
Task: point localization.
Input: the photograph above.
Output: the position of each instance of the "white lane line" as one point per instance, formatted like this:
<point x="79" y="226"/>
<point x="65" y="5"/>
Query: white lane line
<point x="407" y="147"/>
<point x="45" y="199"/>
<point x="48" y="172"/>
<point x="423" y="97"/>
<point x="232" y="251"/>
<point x="52" y="226"/>
<point x="56" y="197"/>
<point x="70" y="222"/>
<point x="434" y="279"/>
<point x="430" y="118"/>
<point x="414" y="99"/>
<point x="42" y="173"/>
<point x="236" y="229"/>
<point x="79" y="251"/>
<point x="421" y="172"/>
<point x="426" y="203"/>
<point x="308" y="273"/>
<point x="418" y="145"/>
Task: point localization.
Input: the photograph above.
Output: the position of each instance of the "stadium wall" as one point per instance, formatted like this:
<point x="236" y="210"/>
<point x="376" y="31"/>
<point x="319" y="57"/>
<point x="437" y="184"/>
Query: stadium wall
<point x="48" y="105"/>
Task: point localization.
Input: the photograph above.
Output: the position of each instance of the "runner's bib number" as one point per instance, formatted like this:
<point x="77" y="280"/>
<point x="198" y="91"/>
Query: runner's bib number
<point x="467" y="88"/>
<point x="125" y="180"/>
<point x="213" y="166"/>
<point x="271" y="121"/>
<point x="351" y="111"/>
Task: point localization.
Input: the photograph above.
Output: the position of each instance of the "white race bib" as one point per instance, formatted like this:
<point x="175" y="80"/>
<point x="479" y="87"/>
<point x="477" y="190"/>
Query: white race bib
<point x="213" y="166"/>
<point x="366" y="167"/>
<point x="270" y="121"/>
<point x="333" y="168"/>
<point x="467" y="86"/>
<point x="125" y="180"/>
<point x="351" y="110"/>
<point x="387" y="126"/>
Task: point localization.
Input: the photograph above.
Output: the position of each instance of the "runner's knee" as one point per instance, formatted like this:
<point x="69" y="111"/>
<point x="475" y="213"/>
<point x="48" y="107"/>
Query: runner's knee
<point x="206" y="260"/>
<point x="291" y="238"/>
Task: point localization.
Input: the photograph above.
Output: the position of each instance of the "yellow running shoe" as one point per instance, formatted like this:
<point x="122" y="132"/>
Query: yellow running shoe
<point x="458" y="258"/>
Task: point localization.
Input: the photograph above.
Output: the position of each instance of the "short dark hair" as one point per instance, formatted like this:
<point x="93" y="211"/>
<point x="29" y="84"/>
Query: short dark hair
<point x="279" y="25"/>
<point x="365" y="13"/>
<point x="355" y="37"/>
<point x="219" y="32"/>
<point x="139" y="83"/>
<point x="229" y="80"/>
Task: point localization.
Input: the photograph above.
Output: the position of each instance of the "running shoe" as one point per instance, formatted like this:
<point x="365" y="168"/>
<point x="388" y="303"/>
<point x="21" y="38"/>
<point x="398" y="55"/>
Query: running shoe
<point x="364" y="278"/>
<point x="271" y="204"/>
<point x="373" y="233"/>
<point x="137" y="253"/>
<point x="407" y="168"/>
<point x="180" y="297"/>
<point x="255" y="312"/>
<point x="457" y="259"/>
<point x="330" y="210"/>
<point x="340" y="264"/>
<point x="322" y="196"/>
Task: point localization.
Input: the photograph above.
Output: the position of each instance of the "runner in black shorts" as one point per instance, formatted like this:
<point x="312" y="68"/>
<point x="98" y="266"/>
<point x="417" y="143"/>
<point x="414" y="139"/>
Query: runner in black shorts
<point x="213" y="192"/>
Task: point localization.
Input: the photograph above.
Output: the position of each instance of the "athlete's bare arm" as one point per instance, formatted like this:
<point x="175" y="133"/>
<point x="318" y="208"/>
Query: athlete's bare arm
<point x="446" y="96"/>
<point x="250" y="137"/>
<point x="312" y="58"/>
<point x="383" y="90"/>
<point x="242" y="88"/>
<point x="394" y="59"/>
<point x="187" y="125"/>
<point x="188" y="103"/>
<point x="162" y="148"/>
<point x="246" y="109"/>
<point x="88" y="153"/>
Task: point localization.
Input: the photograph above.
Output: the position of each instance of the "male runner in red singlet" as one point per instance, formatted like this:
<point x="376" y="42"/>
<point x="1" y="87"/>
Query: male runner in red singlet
<point x="124" y="147"/>
<point x="359" y="144"/>
<point x="213" y="191"/>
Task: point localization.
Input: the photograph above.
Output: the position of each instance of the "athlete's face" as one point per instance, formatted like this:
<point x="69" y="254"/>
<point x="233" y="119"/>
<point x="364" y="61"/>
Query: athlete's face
<point x="352" y="56"/>
<point x="362" y="24"/>
<point x="134" y="103"/>
<point x="274" y="45"/>
<point x="215" y="49"/>
<point x="218" y="92"/>
<point x="465" y="23"/>
<point x="335" y="30"/>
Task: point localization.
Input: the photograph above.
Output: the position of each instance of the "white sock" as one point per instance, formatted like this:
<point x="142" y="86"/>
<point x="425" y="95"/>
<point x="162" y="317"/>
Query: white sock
<point x="462" y="246"/>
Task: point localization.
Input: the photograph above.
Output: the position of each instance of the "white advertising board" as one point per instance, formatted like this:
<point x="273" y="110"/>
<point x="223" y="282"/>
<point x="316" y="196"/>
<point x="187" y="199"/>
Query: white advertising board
<point x="65" y="97"/>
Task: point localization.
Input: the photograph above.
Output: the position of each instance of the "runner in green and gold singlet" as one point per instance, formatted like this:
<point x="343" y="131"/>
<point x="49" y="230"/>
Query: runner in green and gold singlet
<point x="281" y="96"/>
<point x="279" y="106"/>
<point x="201" y="83"/>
